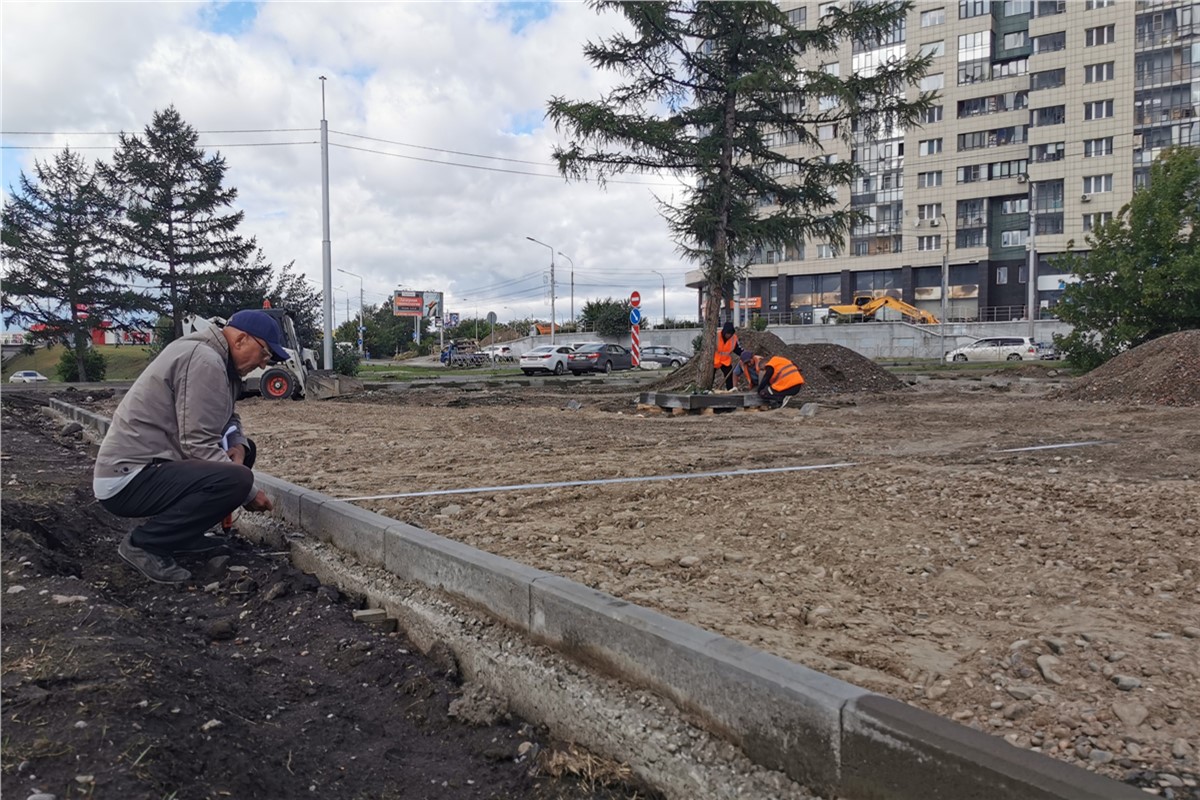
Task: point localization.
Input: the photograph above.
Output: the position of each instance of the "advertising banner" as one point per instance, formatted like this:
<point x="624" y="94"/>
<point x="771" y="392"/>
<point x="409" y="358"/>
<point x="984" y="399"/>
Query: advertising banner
<point x="408" y="304"/>
<point x="432" y="303"/>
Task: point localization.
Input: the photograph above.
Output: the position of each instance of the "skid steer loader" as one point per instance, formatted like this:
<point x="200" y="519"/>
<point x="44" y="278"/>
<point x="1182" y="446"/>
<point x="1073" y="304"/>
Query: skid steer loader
<point x="296" y="378"/>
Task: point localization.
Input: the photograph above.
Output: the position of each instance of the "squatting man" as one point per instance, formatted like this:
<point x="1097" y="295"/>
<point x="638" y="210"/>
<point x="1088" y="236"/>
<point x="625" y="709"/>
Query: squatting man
<point x="176" y="452"/>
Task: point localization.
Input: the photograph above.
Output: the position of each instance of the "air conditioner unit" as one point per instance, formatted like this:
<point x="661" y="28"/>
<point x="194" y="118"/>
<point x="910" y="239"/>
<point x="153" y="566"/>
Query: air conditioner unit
<point x="933" y="223"/>
<point x="1086" y="198"/>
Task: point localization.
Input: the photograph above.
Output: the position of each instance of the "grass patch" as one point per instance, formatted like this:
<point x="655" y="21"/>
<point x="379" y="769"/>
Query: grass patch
<point x="124" y="363"/>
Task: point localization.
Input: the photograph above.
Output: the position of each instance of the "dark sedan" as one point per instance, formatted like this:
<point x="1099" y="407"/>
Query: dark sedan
<point x="667" y="356"/>
<point x="599" y="358"/>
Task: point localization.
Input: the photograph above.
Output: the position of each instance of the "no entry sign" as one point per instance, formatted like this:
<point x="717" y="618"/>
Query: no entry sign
<point x="635" y="299"/>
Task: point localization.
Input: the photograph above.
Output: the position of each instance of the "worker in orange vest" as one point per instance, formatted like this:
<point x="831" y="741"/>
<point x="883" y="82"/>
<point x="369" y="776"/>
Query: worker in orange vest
<point x="781" y="380"/>
<point x="727" y="347"/>
<point x="747" y="371"/>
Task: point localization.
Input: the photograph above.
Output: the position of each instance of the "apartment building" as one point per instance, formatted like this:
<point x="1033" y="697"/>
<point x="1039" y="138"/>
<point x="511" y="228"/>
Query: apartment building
<point x="1051" y="112"/>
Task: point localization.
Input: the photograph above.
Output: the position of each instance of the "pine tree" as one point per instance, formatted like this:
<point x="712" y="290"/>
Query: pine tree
<point x="177" y="223"/>
<point x="63" y="268"/>
<point x="710" y="88"/>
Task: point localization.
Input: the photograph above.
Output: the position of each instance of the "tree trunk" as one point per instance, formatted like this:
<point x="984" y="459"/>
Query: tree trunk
<point x="708" y="345"/>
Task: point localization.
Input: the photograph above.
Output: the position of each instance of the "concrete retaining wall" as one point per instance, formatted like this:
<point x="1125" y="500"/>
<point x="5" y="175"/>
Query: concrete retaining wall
<point x="832" y="736"/>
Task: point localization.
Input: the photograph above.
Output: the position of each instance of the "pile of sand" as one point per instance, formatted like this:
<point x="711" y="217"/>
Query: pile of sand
<point x="1161" y="372"/>
<point x="827" y="368"/>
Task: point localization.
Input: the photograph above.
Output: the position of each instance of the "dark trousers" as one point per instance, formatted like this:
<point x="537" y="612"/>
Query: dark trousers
<point x="776" y="398"/>
<point x="183" y="499"/>
<point x="727" y="371"/>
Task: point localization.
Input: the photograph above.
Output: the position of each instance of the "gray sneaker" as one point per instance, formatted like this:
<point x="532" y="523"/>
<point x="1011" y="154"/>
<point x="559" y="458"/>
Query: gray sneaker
<point x="160" y="569"/>
<point x="785" y="401"/>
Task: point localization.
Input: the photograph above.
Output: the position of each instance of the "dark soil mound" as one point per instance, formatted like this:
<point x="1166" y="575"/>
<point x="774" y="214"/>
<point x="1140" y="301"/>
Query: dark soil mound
<point x="1162" y="372"/>
<point x="827" y="368"/>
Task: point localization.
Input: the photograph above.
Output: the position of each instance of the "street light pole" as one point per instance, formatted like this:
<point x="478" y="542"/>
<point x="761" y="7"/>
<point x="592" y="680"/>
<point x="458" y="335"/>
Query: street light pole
<point x="1033" y="263"/>
<point x="568" y="258"/>
<point x="664" y="295"/>
<point x="361" y="332"/>
<point x="552" y="323"/>
<point x="945" y="287"/>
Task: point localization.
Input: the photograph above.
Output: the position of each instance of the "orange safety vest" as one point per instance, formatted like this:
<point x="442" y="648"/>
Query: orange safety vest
<point x="785" y="375"/>
<point x="723" y="357"/>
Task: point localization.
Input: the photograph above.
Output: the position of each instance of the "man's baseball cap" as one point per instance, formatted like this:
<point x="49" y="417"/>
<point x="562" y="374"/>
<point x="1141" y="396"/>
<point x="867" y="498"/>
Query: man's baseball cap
<point x="264" y="326"/>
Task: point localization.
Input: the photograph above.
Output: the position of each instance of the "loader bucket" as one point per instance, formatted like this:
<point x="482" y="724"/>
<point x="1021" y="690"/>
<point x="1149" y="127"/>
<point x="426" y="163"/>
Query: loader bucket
<point x="324" y="383"/>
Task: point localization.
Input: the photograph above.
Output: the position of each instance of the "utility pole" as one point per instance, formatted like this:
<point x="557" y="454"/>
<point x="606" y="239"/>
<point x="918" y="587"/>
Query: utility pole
<point x="326" y="247"/>
<point x="945" y="287"/>
<point x="552" y="322"/>
<point x="361" y="331"/>
<point x="568" y="258"/>
<point x="664" y="295"/>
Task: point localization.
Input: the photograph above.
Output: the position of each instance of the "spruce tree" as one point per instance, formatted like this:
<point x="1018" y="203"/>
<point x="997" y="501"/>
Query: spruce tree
<point x="710" y="90"/>
<point x="177" y="225"/>
<point x="63" y="269"/>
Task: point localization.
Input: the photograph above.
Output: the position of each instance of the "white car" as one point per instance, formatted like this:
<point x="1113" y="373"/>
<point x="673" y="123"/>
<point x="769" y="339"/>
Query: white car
<point x="27" y="376"/>
<point x="997" y="348"/>
<point x="546" y="358"/>
<point x="498" y="352"/>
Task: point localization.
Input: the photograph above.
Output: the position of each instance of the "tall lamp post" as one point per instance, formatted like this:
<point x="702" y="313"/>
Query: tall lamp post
<point x="551" y="249"/>
<point x="568" y="258"/>
<point x="360" y="307"/>
<point x="945" y="288"/>
<point x="664" y="295"/>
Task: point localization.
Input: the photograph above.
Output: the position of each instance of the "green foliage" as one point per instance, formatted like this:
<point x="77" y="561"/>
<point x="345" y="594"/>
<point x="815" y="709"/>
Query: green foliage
<point x="698" y="343"/>
<point x="1141" y="278"/>
<point x="95" y="367"/>
<point x="710" y="115"/>
<point x="606" y="317"/>
<point x="63" y="267"/>
<point x="176" y="225"/>
<point x="758" y="323"/>
<point x="346" y="360"/>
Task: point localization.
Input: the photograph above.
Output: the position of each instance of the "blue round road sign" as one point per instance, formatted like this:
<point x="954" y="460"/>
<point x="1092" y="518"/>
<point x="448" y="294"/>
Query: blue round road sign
<point x="635" y="316"/>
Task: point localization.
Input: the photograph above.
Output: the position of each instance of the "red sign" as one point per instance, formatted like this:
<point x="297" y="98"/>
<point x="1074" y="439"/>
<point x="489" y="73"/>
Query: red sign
<point x="407" y="304"/>
<point x="635" y="299"/>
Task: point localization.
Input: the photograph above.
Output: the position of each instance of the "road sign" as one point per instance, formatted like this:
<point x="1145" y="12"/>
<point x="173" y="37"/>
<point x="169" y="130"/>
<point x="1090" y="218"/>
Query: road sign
<point x="635" y="316"/>
<point x="491" y="317"/>
<point x="635" y="300"/>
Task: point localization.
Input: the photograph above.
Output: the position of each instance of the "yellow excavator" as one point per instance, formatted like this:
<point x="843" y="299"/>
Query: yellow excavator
<point x="865" y="308"/>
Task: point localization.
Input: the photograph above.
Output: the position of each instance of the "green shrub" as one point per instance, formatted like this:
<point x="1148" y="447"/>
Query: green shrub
<point x="346" y="361"/>
<point x="93" y="362"/>
<point x="758" y="324"/>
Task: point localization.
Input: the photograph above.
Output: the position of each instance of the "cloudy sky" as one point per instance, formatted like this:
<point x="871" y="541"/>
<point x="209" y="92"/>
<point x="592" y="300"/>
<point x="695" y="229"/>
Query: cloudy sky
<point x="440" y="156"/>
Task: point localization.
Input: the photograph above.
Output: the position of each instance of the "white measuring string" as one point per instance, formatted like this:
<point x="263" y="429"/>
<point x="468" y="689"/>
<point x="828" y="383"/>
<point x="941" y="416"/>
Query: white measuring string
<point x="676" y="477"/>
<point x="603" y="481"/>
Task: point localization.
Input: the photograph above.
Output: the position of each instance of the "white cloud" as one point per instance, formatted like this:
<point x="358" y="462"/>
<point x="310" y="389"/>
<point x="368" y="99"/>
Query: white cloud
<point x="455" y="76"/>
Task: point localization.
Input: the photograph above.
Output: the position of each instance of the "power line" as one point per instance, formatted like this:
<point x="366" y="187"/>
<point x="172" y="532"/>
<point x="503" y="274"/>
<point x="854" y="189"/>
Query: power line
<point x="121" y="133"/>
<point x="113" y="146"/>
<point x="442" y="150"/>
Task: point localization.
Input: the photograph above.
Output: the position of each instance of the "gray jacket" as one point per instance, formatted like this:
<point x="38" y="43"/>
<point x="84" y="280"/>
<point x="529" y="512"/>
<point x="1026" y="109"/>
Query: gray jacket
<point x="178" y="408"/>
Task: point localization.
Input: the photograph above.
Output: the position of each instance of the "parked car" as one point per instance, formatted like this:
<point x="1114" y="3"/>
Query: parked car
<point x="997" y="348"/>
<point x="498" y="352"/>
<point x="27" y="376"/>
<point x="1047" y="351"/>
<point x="599" y="358"/>
<point x="577" y="345"/>
<point x="667" y="356"/>
<point x="546" y="358"/>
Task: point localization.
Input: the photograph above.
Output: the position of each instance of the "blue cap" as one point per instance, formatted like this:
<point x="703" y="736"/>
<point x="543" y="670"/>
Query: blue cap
<point x="264" y="326"/>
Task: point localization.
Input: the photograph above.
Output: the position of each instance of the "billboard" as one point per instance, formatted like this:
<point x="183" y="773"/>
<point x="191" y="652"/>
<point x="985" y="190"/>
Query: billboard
<point x="408" y="303"/>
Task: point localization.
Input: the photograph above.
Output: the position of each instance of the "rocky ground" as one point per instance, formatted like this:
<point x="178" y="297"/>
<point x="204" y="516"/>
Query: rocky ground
<point x="962" y="559"/>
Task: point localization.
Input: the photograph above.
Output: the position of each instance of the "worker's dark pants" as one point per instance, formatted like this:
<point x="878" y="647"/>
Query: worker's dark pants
<point x="727" y="372"/>
<point x="776" y="398"/>
<point x="183" y="500"/>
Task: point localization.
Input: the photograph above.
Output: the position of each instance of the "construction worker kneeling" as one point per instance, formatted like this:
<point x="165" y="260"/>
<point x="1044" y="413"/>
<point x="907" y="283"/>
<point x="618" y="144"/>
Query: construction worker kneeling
<point x="780" y="380"/>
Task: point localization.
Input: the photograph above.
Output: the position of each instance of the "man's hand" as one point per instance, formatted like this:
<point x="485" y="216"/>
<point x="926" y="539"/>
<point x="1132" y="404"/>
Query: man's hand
<point x="237" y="454"/>
<point x="260" y="503"/>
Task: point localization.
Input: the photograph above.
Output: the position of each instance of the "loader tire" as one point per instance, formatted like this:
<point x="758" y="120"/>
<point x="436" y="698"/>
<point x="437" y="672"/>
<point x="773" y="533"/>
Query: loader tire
<point x="277" y="384"/>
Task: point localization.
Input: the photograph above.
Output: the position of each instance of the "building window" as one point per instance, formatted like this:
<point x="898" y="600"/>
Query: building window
<point x="824" y="251"/>
<point x="1015" y="8"/>
<point x="929" y="211"/>
<point x="1001" y="276"/>
<point x="833" y="68"/>
<point x="969" y="174"/>
<point x="1098" y="73"/>
<point x="973" y="46"/>
<point x="1014" y="238"/>
<point x="1092" y="5"/>
<point x="798" y="17"/>
<point x="1093" y="221"/>
<point x="1097" y="184"/>
<point x="934" y="16"/>
<point x="1094" y="148"/>
<point x="929" y="147"/>
<point x="1012" y="41"/>
<point x="1047" y="152"/>
<point x="931" y="83"/>
<point x="824" y="8"/>
<point x="972" y="72"/>
<point x="1048" y="8"/>
<point x="973" y="8"/>
<point x="933" y="49"/>
<point x="1015" y="205"/>
<point x="932" y="114"/>
<point x="1050" y="42"/>
<point x="929" y="242"/>
<point x="826" y="132"/>
<point x="1050" y="79"/>
<point x="1094" y="37"/>
<point x="1050" y="115"/>
<point x="1100" y="109"/>
<point x="928" y="180"/>
<point x="1009" y="69"/>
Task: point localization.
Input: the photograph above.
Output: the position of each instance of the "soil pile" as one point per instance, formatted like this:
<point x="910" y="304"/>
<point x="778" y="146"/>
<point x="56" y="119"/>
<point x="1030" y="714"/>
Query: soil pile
<point x="1162" y="372"/>
<point x="827" y="368"/>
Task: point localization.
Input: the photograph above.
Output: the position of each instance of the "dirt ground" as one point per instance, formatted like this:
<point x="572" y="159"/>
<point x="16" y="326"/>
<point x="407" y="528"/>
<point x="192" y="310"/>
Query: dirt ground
<point x="253" y="681"/>
<point x="1049" y="596"/>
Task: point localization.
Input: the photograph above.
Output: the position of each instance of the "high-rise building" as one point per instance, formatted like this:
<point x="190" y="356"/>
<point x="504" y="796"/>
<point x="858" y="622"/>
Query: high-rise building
<point x="1049" y="116"/>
